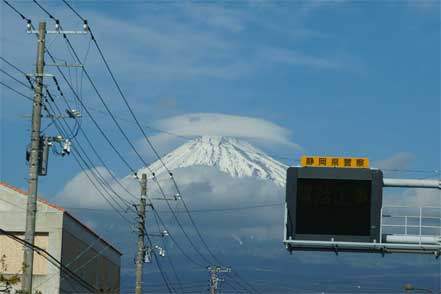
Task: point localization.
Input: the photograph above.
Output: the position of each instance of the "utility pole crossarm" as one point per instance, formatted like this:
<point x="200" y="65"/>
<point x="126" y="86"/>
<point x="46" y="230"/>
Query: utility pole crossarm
<point x="412" y="183"/>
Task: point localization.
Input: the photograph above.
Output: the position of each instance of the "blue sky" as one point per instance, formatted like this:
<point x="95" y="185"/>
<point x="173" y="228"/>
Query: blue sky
<point x="347" y="78"/>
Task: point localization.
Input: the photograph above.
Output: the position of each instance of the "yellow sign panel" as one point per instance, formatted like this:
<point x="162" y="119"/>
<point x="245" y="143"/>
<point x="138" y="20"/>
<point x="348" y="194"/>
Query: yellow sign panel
<point x="327" y="161"/>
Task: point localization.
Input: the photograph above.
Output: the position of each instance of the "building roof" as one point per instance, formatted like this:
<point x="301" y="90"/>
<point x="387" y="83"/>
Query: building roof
<point x="65" y="212"/>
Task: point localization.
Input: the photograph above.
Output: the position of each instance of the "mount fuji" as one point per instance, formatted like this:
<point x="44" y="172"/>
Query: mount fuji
<point x="230" y="155"/>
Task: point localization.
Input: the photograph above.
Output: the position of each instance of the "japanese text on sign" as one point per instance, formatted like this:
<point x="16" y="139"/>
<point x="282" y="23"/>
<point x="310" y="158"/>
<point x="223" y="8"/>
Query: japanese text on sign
<point x="327" y="161"/>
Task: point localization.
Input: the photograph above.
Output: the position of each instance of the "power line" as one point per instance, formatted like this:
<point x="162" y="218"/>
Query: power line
<point x="202" y="210"/>
<point x="45" y="11"/>
<point x="18" y="12"/>
<point x="86" y="109"/>
<point x="78" y="157"/>
<point x="78" y="98"/>
<point x="169" y="257"/>
<point x="73" y="10"/>
<point x="147" y="140"/>
<point x="73" y="260"/>
<point x="10" y="64"/>
<point x="42" y="252"/>
<point x="97" y="155"/>
<point x="90" y="80"/>
<point x="240" y="280"/>
<point x="101" y="131"/>
<point x="15" y="79"/>
<point x="177" y="244"/>
<point x="136" y="120"/>
<point x="84" y="134"/>
<point x="132" y="145"/>
<point x="101" y="98"/>
<point x="17" y="92"/>
<point x="158" y="264"/>
<point x="99" y="178"/>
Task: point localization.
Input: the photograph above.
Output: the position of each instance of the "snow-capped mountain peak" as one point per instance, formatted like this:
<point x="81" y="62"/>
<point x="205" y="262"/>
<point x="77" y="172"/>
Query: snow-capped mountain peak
<point x="230" y="155"/>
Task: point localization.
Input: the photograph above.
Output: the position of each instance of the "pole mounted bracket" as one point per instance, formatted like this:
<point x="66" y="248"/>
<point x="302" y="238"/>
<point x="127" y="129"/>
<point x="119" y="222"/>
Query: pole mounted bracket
<point x="40" y="75"/>
<point x="84" y="32"/>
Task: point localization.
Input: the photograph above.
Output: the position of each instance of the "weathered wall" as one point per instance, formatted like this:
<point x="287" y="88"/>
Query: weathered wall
<point x="11" y="255"/>
<point x="90" y="258"/>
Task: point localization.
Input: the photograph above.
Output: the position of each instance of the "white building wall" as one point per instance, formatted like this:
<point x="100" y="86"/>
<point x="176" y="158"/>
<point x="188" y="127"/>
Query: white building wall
<point x="49" y="221"/>
<point x="65" y="238"/>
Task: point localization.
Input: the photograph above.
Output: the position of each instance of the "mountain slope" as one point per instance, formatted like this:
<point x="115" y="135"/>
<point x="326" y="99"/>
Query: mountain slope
<point x="235" y="157"/>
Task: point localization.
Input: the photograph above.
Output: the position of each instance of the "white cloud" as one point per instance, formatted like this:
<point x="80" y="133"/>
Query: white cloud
<point x="292" y="57"/>
<point x="193" y="42"/>
<point x="217" y="16"/>
<point x="253" y="232"/>
<point x="218" y="124"/>
<point x="81" y="192"/>
<point x="179" y="129"/>
<point x="400" y="160"/>
<point x="432" y="6"/>
<point x="201" y="188"/>
<point x="415" y="198"/>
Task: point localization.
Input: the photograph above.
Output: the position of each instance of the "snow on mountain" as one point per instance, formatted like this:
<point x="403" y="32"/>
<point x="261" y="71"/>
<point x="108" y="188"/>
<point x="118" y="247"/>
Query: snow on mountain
<point x="230" y="155"/>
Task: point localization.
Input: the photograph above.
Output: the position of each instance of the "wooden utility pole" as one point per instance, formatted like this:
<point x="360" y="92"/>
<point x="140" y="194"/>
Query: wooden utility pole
<point x="141" y="227"/>
<point x="31" y="209"/>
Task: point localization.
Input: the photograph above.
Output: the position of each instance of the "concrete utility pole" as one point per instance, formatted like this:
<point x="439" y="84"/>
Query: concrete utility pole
<point x="214" y="270"/>
<point x="141" y="226"/>
<point x="31" y="209"/>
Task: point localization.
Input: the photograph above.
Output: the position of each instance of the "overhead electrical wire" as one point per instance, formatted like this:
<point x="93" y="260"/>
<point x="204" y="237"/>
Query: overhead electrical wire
<point x="105" y="105"/>
<point x="84" y="169"/>
<point x="177" y="244"/>
<point x="15" y="79"/>
<point x="101" y="131"/>
<point x="28" y="78"/>
<point x="145" y="136"/>
<point x="86" y="110"/>
<point x="66" y="81"/>
<point x="172" y="266"/>
<point x="148" y="142"/>
<point x="72" y="261"/>
<point x="49" y="257"/>
<point x="98" y="156"/>
<point x="203" y="210"/>
<point x="122" y="132"/>
<point x="98" y="176"/>
<point x="77" y="126"/>
<point x="101" y="177"/>
<point x="18" y="12"/>
<point x="87" y="139"/>
<point x="17" y="92"/>
<point x="118" y="87"/>
<point x="193" y="245"/>
<point x="12" y="65"/>
<point x="89" y="80"/>
<point x="89" y="169"/>
<point x="158" y="264"/>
